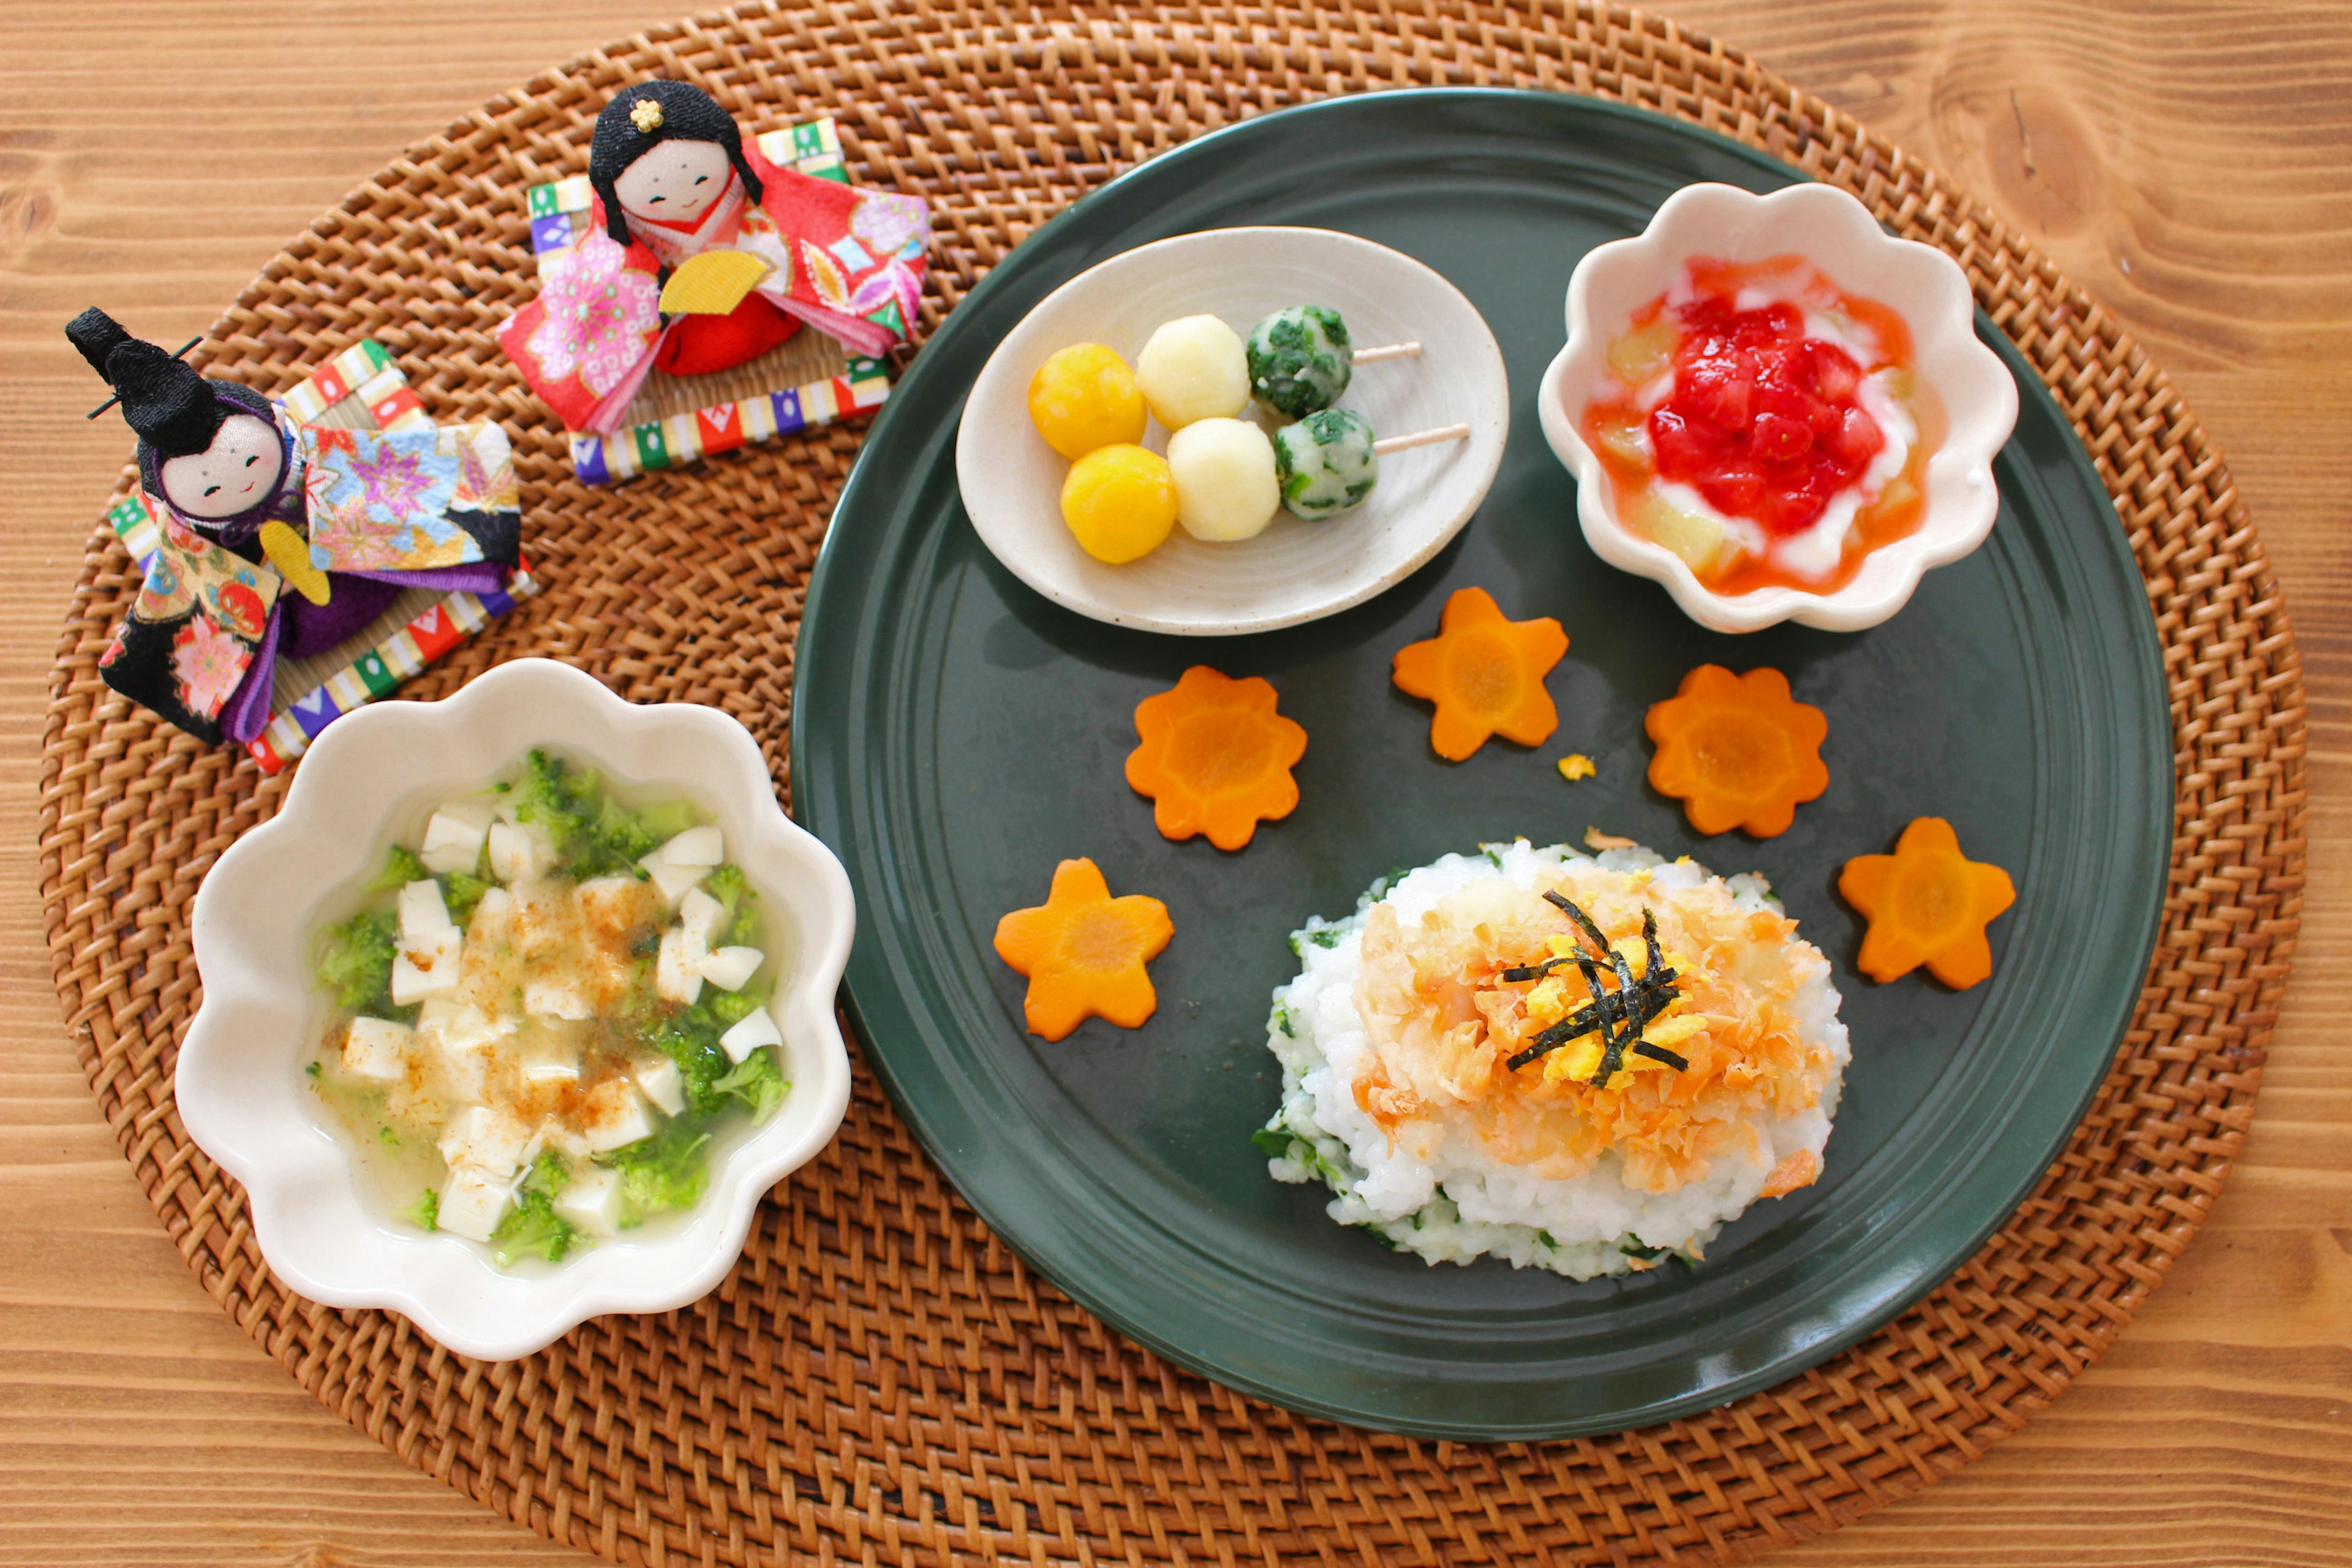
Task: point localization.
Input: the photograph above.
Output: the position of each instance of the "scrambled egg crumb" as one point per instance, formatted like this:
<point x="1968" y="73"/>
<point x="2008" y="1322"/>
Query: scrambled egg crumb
<point x="1576" y="766"/>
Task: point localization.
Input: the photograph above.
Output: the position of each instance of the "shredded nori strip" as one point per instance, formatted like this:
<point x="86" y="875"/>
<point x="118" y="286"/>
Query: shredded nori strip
<point x="1660" y="1054"/>
<point x="1618" y="1015"/>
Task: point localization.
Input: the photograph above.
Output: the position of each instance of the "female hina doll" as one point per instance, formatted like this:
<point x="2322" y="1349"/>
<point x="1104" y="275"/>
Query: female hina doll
<point x="701" y="255"/>
<point x="251" y="504"/>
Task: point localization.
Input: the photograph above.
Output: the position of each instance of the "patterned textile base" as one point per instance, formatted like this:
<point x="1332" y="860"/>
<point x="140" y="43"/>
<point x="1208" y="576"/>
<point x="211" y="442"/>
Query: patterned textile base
<point x="879" y="1379"/>
<point x="360" y="388"/>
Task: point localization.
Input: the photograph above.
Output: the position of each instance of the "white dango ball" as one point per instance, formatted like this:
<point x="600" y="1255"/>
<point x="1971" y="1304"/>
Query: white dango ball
<point x="1225" y="486"/>
<point x="1194" y="369"/>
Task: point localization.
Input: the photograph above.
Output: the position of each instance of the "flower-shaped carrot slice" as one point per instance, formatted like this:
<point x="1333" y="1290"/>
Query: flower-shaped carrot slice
<point x="1485" y="674"/>
<point x="1084" y="952"/>
<point x="1737" y="751"/>
<point x="1215" y="757"/>
<point x="1927" y="904"/>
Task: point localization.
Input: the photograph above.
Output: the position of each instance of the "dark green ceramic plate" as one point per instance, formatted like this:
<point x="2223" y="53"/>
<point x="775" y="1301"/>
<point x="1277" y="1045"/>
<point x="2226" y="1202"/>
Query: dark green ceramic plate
<point x="955" y="735"/>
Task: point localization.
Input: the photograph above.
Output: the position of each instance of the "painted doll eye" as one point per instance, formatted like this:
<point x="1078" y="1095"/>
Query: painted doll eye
<point x="212" y="490"/>
<point x="703" y="181"/>
<point x="253" y="460"/>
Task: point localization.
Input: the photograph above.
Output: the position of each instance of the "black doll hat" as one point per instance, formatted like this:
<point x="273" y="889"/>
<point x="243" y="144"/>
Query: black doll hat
<point x="650" y="113"/>
<point x="163" y="397"/>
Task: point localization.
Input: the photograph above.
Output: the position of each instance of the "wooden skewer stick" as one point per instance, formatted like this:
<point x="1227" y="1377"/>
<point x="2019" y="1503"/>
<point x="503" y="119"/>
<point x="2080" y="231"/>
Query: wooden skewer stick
<point x="1421" y="439"/>
<point x="1390" y="351"/>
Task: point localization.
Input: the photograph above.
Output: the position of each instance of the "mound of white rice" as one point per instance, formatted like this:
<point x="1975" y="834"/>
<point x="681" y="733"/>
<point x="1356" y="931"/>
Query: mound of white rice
<point x="1449" y="1199"/>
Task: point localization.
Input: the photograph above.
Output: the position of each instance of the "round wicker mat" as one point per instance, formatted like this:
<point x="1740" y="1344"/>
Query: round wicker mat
<point x="879" y="1378"/>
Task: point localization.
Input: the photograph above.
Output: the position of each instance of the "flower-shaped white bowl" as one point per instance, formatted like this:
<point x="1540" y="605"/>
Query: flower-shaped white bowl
<point x="1296" y="571"/>
<point x="1837" y="233"/>
<point x="371" y="778"/>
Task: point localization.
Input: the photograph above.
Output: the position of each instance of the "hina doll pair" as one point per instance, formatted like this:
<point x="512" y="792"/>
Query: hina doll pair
<point x="280" y="538"/>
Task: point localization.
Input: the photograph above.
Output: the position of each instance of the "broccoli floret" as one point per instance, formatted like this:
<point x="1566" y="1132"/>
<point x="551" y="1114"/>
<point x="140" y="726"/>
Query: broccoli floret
<point x="426" y="1212"/>
<point x="460" y="893"/>
<point x="531" y="1227"/>
<point x="667" y="1171"/>
<point x="400" y="866"/>
<point x="355" y="961"/>
<point x="691" y="1040"/>
<point x="729" y="1008"/>
<point x="623" y="832"/>
<point x="757" y="1081"/>
<point x="593" y="834"/>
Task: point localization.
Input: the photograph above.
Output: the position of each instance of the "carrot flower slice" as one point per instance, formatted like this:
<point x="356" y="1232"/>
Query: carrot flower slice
<point x="1927" y="904"/>
<point x="1084" y="952"/>
<point x="1216" y="758"/>
<point x="1737" y="751"/>
<point x="1485" y="674"/>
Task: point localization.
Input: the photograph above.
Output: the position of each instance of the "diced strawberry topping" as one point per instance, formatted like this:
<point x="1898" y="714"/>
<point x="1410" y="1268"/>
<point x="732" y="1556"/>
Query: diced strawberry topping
<point x="1762" y="420"/>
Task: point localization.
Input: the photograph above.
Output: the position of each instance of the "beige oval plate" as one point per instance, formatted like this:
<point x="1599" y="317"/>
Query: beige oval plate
<point x="1296" y="571"/>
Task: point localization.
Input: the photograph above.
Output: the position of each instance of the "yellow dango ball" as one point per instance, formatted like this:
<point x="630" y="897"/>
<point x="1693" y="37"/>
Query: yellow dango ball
<point x="1119" y="502"/>
<point x="1085" y="399"/>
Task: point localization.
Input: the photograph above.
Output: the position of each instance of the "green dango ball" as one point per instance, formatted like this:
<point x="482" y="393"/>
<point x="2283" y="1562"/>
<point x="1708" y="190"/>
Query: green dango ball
<point x="1325" y="463"/>
<point x="1300" y="360"/>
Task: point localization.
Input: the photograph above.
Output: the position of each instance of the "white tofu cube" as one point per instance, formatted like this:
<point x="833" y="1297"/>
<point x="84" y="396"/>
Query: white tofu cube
<point x="702" y="916"/>
<point x="454" y="1036"/>
<point x="423" y="915"/>
<point x="485" y="1140"/>
<point x="613" y="1116"/>
<point x="520" y="851"/>
<point x="377" y="1048"/>
<point x="695" y="847"/>
<point x="556" y="1135"/>
<point x="549" y="1072"/>
<point x="493" y="910"/>
<point x="678" y="967"/>
<point x="471" y="1202"/>
<point x="612" y="907"/>
<point x="754" y="1030"/>
<point x="453" y="839"/>
<point x="429" y="967"/>
<point x="731" y="968"/>
<point x="556" y="996"/>
<point x="660" y="1083"/>
<point x="592" y="1200"/>
<point x="673" y="881"/>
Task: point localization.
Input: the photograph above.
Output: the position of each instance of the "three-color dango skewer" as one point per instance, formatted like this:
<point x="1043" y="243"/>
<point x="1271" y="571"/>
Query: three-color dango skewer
<point x="1223" y="478"/>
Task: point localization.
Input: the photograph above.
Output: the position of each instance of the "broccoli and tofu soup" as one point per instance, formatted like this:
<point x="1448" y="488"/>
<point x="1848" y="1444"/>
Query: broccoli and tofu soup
<point x="549" y="1009"/>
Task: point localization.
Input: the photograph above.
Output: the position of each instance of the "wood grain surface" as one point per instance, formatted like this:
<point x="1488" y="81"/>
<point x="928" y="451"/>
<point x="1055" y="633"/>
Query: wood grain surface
<point x="2190" y="163"/>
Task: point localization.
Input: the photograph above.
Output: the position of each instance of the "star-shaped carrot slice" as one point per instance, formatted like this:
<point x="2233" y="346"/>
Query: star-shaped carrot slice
<point x="1485" y="674"/>
<point x="1084" y="952"/>
<point x="1737" y="751"/>
<point x="1216" y="758"/>
<point x="1927" y="904"/>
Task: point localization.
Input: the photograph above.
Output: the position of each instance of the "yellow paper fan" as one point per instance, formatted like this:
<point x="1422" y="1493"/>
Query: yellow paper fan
<point x="713" y="283"/>
<point x="291" y="553"/>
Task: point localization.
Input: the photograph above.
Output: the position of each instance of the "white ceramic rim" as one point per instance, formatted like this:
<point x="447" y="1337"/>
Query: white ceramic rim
<point x="299" y="1184"/>
<point x="1836" y="232"/>
<point x="1002" y="382"/>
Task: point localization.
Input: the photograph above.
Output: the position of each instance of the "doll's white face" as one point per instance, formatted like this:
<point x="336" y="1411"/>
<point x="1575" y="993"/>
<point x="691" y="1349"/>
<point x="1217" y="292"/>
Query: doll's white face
<point x="238" y="470"/>
<point x="676" y="181"/>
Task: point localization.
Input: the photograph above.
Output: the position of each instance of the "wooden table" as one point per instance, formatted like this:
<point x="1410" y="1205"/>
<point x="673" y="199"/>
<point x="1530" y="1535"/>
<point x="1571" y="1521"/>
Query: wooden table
<point x="2190" y="163"/>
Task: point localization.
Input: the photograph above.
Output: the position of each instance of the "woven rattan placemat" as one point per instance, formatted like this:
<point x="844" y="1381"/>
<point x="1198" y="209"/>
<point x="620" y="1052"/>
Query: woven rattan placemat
<point x="879" y="1379"/>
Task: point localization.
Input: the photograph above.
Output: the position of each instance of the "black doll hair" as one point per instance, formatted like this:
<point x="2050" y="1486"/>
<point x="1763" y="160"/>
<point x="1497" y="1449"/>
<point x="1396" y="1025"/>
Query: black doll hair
<point x="640" y="117"/>
<point x="174" y="411"/>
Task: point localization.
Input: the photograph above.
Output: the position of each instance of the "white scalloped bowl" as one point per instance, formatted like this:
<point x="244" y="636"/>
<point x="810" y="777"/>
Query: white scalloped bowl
<point x="1838" y="235"/>
<point x="255" y="924"/>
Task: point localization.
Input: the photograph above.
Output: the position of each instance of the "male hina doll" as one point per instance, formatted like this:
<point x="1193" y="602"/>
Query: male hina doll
<point x="251" y="504"/>
<point x="702" y="255"/>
